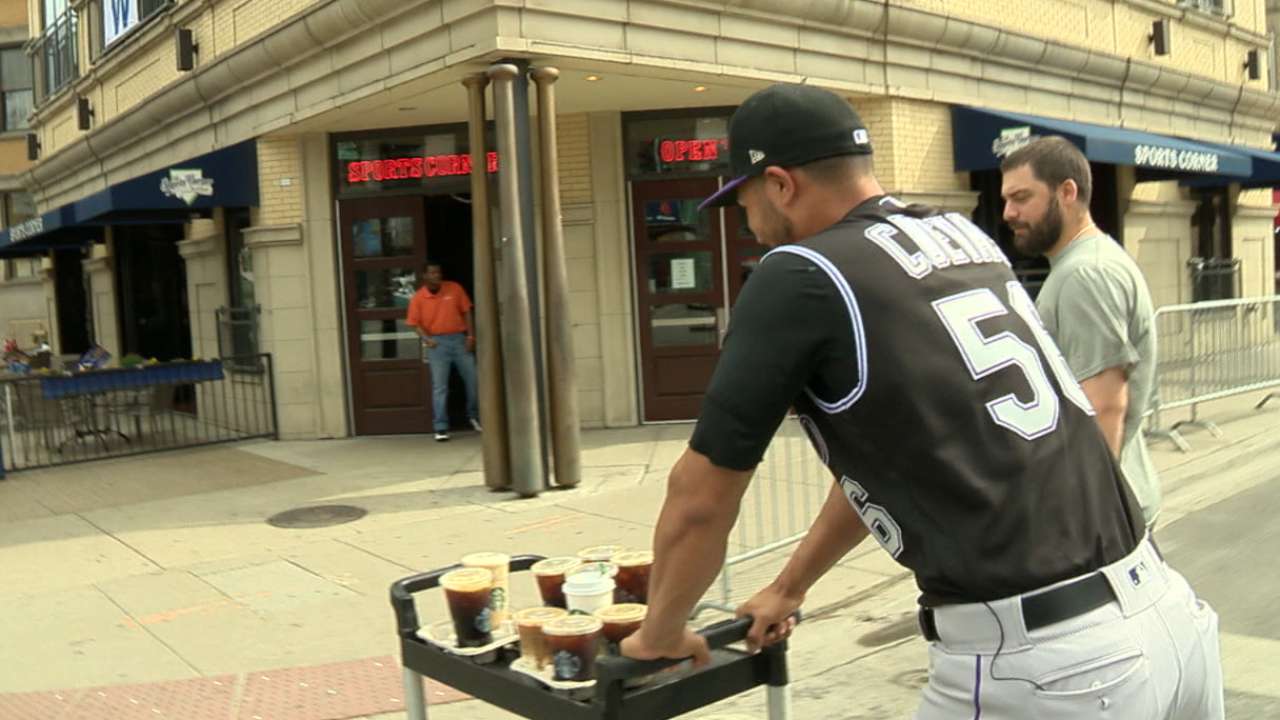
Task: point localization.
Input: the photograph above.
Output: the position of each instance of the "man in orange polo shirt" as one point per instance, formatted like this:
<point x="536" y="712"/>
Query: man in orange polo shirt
<point x="441" y="313"/>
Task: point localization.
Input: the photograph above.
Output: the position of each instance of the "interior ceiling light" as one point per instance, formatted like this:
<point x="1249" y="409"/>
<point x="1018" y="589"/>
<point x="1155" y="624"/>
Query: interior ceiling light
<point x="592" y="78"/>
<point x="700" y="88"/>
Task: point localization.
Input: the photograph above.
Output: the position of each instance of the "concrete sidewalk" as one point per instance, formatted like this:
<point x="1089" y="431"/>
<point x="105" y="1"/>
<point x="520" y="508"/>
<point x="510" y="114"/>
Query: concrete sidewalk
<point x="154" y="587"/>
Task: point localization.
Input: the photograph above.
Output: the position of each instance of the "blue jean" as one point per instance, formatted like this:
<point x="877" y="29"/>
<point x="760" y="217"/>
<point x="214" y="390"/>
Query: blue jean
<point x="450" y="352"/>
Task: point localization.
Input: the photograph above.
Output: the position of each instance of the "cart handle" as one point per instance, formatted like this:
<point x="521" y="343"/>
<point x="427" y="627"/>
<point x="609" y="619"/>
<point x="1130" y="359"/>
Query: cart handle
<point x="402" y="591"/>
<point x="613" y="668"/>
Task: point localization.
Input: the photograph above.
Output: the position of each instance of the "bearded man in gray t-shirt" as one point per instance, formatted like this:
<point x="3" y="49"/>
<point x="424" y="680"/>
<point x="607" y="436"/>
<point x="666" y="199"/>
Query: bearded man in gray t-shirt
<point x="1095" y="302"/>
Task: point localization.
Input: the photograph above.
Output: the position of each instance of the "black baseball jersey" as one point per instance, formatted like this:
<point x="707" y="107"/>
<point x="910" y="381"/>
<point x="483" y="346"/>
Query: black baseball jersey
<point x="929" y="387"/>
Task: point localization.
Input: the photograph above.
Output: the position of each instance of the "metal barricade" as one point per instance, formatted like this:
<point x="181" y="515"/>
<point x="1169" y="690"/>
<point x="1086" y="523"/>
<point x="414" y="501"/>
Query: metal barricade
<point x="784" y="498"/>
<point x="58" y="419"/>
<point x="1213" y="350"/>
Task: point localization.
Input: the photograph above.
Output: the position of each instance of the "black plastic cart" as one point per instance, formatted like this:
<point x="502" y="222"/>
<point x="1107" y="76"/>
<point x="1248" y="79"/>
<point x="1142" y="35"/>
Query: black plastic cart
<point x="730" y="672"/>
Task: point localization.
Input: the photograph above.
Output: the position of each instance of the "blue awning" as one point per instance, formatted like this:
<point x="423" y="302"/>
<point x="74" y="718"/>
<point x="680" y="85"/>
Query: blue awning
<point x="1266" y="168"/>
<point x="38" y="234"/>
<point x="223" y="178"/>
<point x="981" y="138"/>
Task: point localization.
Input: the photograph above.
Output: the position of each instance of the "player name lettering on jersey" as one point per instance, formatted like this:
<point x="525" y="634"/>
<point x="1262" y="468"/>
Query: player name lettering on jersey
<point x="921" y="246"/>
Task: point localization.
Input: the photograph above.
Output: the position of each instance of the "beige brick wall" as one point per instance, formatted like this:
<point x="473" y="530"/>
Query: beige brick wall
<point x="279" y="161"/>
<point x="13" y="156"/>
<point x="236" y="21"/>
<point x="1114" y="27"/>
<point x="13" y="13"/>
<point x="580" y="231"/>
<point x="912" y="142"/>
<point x="134" y="81"/>
<point x="575" y="158"/>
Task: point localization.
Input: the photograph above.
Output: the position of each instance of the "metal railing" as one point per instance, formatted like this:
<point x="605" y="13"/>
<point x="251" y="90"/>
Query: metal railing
<point x="785" y="495"/>
<point x="58" y="419"/>
<point x="1213" y="350"/>
<point x="59" y="59"/>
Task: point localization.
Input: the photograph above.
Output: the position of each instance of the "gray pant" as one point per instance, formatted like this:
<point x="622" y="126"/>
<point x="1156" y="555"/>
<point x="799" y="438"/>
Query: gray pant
<point x="1151" y="655"/>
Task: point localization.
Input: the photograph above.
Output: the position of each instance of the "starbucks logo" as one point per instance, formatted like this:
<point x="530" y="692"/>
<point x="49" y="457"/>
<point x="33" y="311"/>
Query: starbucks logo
<point x="498" y="598"/>
<point x="567" y="665"/>
<point x="484" y="621"/>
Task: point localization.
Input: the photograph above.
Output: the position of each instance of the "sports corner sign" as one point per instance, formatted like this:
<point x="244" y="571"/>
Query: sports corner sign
<point x="1167" y="158"/>
<point x="1143" y="155"/>
<point x="186" y="185"/>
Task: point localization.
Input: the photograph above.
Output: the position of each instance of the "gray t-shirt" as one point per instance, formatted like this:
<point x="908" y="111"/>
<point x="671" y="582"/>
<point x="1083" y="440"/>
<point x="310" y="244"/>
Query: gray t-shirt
<point x="1096" y="305"/>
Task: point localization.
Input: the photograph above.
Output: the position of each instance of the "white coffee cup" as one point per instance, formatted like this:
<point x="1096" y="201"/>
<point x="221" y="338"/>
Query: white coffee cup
<point x="587" y="592"/>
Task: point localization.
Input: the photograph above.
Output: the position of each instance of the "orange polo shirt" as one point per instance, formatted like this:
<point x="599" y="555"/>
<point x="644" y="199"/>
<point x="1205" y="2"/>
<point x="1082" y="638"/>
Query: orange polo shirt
<point x="441" y="312"/>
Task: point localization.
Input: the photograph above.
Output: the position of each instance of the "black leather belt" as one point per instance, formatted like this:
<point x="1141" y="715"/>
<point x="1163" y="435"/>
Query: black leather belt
<point x="1046" y="608"/>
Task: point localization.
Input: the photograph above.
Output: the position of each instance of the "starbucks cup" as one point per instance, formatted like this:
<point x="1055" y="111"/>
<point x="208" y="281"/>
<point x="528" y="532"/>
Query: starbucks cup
<point x="587" y="592"/>
<point x="499" y="565"/>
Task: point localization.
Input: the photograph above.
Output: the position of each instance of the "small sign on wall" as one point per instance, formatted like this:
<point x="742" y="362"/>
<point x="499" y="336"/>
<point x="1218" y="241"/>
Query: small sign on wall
<point x="683" y="274"/>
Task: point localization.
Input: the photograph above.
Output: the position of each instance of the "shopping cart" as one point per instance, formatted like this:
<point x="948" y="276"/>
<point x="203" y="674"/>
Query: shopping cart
<point x="679" y="691"/>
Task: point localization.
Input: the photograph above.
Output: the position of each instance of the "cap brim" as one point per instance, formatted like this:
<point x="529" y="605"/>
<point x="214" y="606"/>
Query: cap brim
<point x="727" y="195"/>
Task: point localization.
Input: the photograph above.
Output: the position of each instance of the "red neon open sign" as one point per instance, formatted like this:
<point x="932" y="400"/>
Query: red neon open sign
<point x="675" y="151"/>
<point x="413" y="168"/>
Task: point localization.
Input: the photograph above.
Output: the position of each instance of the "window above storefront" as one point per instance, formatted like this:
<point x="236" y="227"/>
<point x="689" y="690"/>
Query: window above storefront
<point x="15" y="89"/>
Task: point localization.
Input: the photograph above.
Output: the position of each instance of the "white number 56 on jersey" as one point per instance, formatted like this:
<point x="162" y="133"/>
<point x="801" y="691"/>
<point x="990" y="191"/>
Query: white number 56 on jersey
<point x="983" y="355"/>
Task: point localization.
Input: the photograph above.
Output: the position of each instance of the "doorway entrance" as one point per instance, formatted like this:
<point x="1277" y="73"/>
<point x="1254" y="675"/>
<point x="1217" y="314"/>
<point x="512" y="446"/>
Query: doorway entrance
<point x="690" y="267"/>
<point x="152" y="281"/>
<point x="386" y="241"/>
<point x="73" y="306"/>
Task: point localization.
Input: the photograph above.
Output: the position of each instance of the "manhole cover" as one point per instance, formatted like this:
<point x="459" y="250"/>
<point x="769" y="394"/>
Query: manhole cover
<point x="317" y="516"/>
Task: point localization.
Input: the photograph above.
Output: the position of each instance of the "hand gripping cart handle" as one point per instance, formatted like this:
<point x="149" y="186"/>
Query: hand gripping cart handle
<point x="730" y="672"/>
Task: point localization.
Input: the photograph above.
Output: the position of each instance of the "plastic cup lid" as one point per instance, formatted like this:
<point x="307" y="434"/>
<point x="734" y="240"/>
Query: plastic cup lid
<point x="588" y="583"/>
<point x="573" y="625"/>
<point x="556" y="565"/>
<point x="467" y="579"/>
<point x="486" y="559"/>
<point x="594" y="568"/>
<point x="633" y="558"/>
<point x="539" y="615"/>
<point x="623" y="612"/>
<point x="600" y="552"/>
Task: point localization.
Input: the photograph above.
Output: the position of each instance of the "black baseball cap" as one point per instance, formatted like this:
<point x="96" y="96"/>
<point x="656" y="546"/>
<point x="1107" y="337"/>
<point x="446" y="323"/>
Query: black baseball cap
<point x="788" y="125"/>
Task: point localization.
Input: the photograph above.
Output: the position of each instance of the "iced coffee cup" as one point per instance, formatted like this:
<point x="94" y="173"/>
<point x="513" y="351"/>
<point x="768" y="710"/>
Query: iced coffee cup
<point x="633" y="576"/>
<point x="550" y="574"/>
<point x="468" y="592"/>
<point x="621" y="620"/>
<point x="529" y="622"/>
<point x="600" y="553"/>
<point x="573" y="642"/>
<point x="587" y="591"/>
<point x="499" y="564"/>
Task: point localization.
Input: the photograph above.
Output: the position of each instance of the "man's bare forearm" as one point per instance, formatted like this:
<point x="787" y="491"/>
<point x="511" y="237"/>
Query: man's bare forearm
<point x="837" y="530"/>
<point x="689" y="543"/>
<point x="694" y="552"/>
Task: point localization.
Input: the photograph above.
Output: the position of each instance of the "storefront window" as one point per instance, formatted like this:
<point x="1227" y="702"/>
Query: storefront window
<point x="689" y="145"/>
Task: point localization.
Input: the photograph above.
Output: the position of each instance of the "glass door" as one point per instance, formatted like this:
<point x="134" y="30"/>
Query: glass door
<point x="681" y="294"/>
<point x="383" y="251"/>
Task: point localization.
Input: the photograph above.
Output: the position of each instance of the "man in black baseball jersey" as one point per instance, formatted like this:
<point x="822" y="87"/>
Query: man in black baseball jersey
<point x="956" y="433"/>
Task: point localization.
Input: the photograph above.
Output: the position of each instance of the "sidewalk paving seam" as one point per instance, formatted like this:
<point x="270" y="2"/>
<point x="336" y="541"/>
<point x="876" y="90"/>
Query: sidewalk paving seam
<point x="111" y="535"/>
<point x="371" y="553"/>
<point x="197" y="671"/>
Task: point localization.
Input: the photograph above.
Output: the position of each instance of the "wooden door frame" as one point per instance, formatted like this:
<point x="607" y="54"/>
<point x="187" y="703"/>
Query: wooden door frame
<point x="401" y="205"/>
<point x="694" y="188"/>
